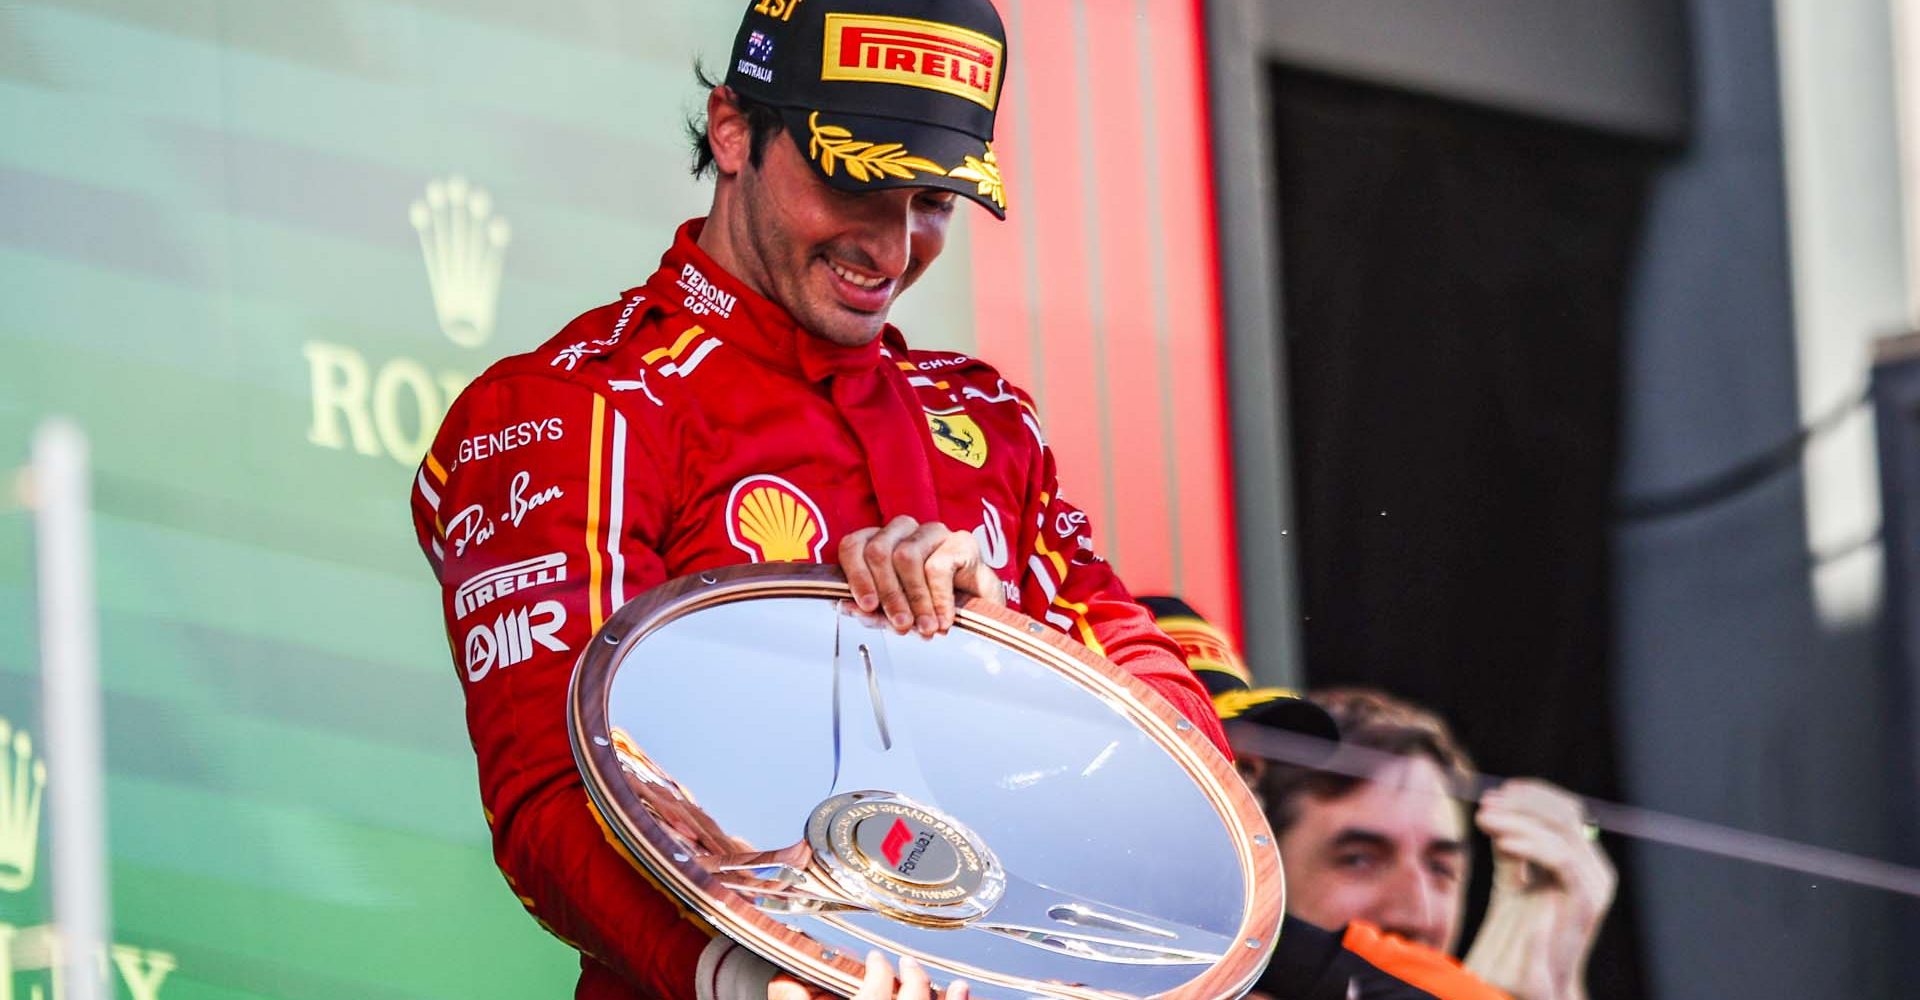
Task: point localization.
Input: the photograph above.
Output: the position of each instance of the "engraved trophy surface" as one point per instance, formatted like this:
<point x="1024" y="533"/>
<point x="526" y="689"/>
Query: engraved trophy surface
<point x="998" y="802"/>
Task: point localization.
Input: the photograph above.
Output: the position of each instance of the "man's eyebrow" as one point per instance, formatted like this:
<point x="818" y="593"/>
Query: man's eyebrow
<point x="1359" y="837"/>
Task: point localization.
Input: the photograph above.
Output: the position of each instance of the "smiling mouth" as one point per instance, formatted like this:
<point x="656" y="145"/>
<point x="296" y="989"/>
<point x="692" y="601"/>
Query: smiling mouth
<point x="856" y="280"/>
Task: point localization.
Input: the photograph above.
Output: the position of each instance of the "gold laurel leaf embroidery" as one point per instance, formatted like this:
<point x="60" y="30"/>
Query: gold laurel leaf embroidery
<point x="833" y="145"/>
<point x="1230" y="704"/>
<point x="985" y="172"/>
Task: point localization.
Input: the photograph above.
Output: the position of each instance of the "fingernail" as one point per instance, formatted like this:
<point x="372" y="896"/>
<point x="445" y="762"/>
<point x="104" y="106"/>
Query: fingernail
<point x="902" y="621"/>
<point x="868" y="602"/>
<point x="907" y="963"/>
<point x="927" y="625"/>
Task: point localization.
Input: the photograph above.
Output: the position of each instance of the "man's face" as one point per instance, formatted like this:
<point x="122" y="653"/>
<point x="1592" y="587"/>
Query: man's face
<point x="835" y="260"/>
<point x="1392" y="852"/>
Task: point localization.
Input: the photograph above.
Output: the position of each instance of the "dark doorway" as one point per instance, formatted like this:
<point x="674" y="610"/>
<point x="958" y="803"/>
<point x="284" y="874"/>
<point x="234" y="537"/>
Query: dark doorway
<point x="1454" y="281"/>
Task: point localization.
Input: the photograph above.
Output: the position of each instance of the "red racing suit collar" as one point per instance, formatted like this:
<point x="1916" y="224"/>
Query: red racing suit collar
<point x="691" y="281"/>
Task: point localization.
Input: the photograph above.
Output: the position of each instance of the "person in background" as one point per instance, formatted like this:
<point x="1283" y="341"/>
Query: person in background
<point x="1376" y="867"/>
<point x="1386" y="856"/>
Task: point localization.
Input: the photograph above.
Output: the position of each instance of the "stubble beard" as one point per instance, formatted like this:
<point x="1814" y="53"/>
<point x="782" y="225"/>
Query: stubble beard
<point x="788" y="271"/>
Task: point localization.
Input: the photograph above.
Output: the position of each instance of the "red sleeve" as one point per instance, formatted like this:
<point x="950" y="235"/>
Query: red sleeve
<point x="1069" y="586"/>
<point x="536" y="507"/>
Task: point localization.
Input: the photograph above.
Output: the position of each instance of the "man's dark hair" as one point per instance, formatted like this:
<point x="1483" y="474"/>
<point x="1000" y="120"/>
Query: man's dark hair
<point x="1371" y="720"/>
<point x="763" y="119"/>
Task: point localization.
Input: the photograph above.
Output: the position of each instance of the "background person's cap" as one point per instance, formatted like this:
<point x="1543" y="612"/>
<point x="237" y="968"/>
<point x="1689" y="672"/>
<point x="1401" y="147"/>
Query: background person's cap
<point x="1228" y="681"/>
<point x="882" y="93"/>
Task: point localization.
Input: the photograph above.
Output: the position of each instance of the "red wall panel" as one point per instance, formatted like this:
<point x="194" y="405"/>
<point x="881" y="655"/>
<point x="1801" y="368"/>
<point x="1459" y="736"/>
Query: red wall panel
<point x="1099" y="293"/>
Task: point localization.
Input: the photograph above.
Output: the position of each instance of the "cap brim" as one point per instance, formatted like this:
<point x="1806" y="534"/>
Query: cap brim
<point x="867" y="153"/>
<point x="1295" y="715"/>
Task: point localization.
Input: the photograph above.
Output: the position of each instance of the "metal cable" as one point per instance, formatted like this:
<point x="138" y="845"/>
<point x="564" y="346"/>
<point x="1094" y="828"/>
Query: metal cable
<point x="1631" y="821"/>
<point x="1741" y="477"/>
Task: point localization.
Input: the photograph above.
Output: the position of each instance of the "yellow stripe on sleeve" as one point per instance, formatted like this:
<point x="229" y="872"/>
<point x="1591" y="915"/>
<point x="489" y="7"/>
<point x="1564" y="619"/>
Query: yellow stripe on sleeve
<point x="1080" y="622"/>
<point x="596" y="614"/>
<point x="1059" y="561"/>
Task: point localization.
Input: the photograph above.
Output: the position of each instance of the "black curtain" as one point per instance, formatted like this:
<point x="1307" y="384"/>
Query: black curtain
<point x="1454" y="283"/>
<point x="1896" y="403"/>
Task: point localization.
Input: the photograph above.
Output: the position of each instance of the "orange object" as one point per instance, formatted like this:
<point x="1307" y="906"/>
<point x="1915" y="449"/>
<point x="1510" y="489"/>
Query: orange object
<point x="1417" y="965"/>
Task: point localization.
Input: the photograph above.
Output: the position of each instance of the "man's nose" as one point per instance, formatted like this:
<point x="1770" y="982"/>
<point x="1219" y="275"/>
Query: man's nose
<point x="1410" y="907"/>
<point x="886" y="231"/>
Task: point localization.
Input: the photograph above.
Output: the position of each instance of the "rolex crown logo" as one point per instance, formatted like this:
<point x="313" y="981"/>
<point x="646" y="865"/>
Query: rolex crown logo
<point x="464" y="244"/>
<point x="771" y="520"/>
<point x="23" y="782"/>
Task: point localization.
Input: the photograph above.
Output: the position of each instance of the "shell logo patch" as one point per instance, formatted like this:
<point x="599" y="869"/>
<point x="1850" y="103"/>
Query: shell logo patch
<point x="772" y="520"/>
<point x="958" y="437"/>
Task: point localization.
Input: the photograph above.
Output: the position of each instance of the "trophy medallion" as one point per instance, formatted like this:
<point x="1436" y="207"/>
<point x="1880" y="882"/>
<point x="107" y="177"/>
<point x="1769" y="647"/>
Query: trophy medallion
<point x="998" y="802"/>
<point x="905" y="858"/>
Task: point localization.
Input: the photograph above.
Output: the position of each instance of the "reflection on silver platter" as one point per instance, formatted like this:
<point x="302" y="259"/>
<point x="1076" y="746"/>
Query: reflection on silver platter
<point x="999" y="802"/>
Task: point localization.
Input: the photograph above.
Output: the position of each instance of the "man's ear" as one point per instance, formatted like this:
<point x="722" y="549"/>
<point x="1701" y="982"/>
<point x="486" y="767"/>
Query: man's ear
<point x="728" y="132"/>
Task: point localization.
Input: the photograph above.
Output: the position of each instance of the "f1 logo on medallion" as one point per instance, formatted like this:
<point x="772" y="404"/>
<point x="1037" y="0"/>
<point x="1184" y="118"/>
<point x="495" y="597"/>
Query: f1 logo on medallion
<point x="903" y="846"/>
<point x="511" y="638"/>
<point x="896" y="842"/>
<point x="772" y="520"/>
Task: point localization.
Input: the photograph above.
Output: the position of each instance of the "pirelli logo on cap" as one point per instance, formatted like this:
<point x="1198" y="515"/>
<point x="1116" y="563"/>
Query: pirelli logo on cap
<point x="914" y="53"/>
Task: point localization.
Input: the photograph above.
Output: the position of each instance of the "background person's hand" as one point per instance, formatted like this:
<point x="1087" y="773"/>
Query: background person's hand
<point x="1552" y="886"/>
<point x="878" y="984"/>
<point x="910" y="573"/>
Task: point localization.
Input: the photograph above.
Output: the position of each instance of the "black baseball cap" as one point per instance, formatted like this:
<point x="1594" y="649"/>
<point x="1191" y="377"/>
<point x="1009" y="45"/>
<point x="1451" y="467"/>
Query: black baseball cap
<point x="882" y="93"/>
<point x="1229" y="683"/>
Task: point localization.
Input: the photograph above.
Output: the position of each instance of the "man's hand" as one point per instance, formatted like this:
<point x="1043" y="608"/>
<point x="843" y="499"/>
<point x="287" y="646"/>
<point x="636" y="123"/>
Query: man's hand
<point x="1551" y="889"/>
<point x="878" y="985"/>
<point x="911" y="572"/>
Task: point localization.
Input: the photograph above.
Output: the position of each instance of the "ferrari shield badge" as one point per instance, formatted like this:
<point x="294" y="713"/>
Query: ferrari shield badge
<point x="958" y="437"/>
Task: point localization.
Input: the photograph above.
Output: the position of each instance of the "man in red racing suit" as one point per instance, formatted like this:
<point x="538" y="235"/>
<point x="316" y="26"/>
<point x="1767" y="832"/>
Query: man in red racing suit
<point x="688" y="425"/>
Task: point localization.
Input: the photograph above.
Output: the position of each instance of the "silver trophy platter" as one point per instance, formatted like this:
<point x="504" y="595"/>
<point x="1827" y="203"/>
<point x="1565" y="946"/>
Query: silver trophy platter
<point x="999" y="802"/>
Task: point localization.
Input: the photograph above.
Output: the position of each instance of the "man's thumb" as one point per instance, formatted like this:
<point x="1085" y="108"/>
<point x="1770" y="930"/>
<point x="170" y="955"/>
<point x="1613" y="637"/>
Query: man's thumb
<point x="784" y="988"/>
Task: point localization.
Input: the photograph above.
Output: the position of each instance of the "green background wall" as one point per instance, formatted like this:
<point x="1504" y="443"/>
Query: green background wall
<point x="207" y="260"/>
